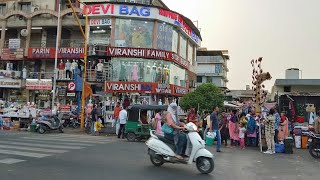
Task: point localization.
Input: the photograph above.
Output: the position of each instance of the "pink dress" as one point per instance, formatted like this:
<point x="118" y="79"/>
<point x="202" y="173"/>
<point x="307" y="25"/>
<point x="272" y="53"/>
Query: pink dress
<point x="135" y="73"/>
<point x="158" y="124"/>
<point x="233" y="134"/>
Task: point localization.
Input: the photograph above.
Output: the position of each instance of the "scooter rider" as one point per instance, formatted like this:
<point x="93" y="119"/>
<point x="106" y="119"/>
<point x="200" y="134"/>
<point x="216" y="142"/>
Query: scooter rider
<point x="179" y="139"/>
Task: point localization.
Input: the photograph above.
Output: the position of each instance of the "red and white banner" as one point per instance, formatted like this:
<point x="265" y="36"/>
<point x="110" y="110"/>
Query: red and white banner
<point x="147" y="53"/>
<point x="49" y="53"/>
<point x="133" y="11"/>
<point x="36" y="84"/>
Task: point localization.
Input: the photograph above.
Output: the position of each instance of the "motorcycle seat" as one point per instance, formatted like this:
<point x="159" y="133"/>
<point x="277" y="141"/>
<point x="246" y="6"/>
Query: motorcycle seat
<point x="165" y="140"/>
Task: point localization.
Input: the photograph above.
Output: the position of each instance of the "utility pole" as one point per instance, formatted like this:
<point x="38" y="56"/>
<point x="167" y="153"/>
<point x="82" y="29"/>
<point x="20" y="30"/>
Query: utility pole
<point x="85" y="41"/>
<point x="55" y="74"/>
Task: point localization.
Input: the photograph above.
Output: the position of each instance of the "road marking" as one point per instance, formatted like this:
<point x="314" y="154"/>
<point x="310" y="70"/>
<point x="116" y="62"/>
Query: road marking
<point x="41" y="145"/>
<point x="82" y="137"/>
<point x="68" y="140"/>
<point x="33" y="149"/>
<point x="52" y="142"/>
<point x="11" y="161"/>
<point x="78" y="136"/>
<point x="22" y="153"/>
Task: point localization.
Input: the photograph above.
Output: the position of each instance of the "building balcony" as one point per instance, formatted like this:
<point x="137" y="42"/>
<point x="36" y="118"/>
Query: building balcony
<point x="8" y="74"/>
<point x="94" y="76"/>
<point x="210" y="61"/>
<point x="211" y="74"/>
<point x="40" y="75"/>
<point x="63" y="43"/>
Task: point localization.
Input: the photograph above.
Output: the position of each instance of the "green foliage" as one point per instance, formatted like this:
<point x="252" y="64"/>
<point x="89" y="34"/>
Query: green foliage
<point x="207" y="96"/>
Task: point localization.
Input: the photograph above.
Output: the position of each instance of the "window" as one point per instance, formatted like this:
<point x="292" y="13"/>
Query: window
<point x="134" y="33"/>
<point x="25" y="6"/>
<point x="287" y="88"/>
<point x="209" y="79"/>
<point x="3" y="8"/>
<point x="199" y="79"/>
<point x="218" y="68"/>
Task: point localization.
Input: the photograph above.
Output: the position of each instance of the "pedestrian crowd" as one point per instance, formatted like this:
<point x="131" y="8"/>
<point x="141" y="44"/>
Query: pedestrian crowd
<point x="242" y="128"/>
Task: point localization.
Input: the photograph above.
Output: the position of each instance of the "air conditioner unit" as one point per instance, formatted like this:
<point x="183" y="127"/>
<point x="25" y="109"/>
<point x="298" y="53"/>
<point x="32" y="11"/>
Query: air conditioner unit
<point x="35" y="8"/>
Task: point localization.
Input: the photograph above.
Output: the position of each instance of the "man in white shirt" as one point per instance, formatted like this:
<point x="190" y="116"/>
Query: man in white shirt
<point x="123" y="117"/>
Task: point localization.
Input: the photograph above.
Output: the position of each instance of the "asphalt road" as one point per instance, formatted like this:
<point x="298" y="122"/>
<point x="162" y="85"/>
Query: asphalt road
<point x="64" y="157"/>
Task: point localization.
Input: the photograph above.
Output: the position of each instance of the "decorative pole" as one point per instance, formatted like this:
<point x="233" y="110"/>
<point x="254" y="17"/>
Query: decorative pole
<point x="258" y="77"/>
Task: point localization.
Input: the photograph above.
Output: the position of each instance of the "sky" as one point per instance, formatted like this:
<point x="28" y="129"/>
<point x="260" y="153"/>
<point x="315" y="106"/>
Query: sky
<point x="286" y="33"/>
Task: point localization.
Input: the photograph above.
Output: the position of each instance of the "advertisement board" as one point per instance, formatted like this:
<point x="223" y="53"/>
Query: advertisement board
<point x="39" y="84"/>
<point x="10" y="83"/>
<point x="49" y="53"/>
<point x="147" y="53"/>
<point x="124" y="10"/>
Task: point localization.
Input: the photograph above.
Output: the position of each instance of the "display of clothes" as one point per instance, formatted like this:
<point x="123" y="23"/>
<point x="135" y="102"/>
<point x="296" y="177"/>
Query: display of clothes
<point x="153" y="73"/>
<point x="61" y="68"/>
<point x="68" y="69"/>
<point x="134" y="73"/>
<point x="123" y="73"/>
<point x="147" y="75"/>
<point x="158" y="75"/>
<point x="141" y="71"/>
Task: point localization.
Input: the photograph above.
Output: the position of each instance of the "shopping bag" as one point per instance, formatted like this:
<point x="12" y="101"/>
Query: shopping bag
<point x="117" y="128"/>
<point x="211" y="135"/>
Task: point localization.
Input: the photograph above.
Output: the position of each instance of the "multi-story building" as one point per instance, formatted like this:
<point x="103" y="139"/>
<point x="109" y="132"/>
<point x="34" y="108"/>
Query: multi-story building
<point x="212" y="67"/>
<point x="136" y="47"/>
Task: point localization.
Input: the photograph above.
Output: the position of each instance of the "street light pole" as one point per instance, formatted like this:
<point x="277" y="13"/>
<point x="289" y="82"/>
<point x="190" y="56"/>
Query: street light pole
<point x="56" y="56"/>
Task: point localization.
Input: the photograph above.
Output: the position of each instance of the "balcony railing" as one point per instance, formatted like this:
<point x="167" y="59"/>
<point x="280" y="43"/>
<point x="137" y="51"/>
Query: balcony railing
<point x="7" y="74"/>
<point x="95" y="76"/>
<point x="64" y="43"/>
<point x="21" y="44"/>
<point x="40" y="75"/>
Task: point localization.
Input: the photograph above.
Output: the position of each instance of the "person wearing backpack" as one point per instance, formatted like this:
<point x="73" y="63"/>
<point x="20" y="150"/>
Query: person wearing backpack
<point x="252" y="129"/>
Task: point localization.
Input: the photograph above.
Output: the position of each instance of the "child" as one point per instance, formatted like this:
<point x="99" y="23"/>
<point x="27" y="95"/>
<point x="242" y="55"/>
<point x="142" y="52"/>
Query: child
<point x="242" y="131"/>
<point x="97" y="127"/>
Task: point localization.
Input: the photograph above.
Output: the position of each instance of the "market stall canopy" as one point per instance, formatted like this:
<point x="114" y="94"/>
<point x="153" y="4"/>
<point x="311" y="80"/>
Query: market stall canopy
<point x="226" y="104"/>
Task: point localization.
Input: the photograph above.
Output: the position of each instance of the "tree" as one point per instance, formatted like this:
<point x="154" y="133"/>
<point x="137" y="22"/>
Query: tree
<point x="206" y="96"/>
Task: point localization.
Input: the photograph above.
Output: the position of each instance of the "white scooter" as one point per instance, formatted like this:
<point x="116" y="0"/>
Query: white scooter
<point x="161" y="150"/>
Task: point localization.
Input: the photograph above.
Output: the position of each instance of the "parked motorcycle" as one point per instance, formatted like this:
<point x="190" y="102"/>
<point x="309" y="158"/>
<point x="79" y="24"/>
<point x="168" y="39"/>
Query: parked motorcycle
<point x="161" y="150"/>
<point x="71" y="120"/>
<point x="314" y="144"/>
<point x="50" y="124"/>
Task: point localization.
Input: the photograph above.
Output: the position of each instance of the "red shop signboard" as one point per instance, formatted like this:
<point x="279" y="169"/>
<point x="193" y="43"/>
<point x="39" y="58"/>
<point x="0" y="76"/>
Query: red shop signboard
<point x="130" y="87"/>
<point x="147" y="53"/>
<point x="145" y="88"/>
<point x="49" y="53"/>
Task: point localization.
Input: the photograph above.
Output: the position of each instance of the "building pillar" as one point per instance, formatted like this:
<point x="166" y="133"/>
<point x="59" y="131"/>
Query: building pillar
<point x="178" y="50"/>
<point x="155" y="33"/>
<point x="28" y="38"/>
<point x="113" y="29"/>
<point x="59" y="29"/>
<point x="3" y="34"/>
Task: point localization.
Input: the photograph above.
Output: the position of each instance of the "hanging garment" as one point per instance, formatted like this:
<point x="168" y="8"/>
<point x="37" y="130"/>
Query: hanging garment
<point x="134" y="72"/>
<point x="123" y="73"/>
<point x="153" y="73"/>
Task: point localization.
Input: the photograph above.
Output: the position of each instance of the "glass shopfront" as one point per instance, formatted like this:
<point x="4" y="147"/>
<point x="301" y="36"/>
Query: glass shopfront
<point x="146" y="70"/>
<point x="100" y="35"/>
<point x="133" y="33"/>
<point x="183" y="46"/>
<point x="175" y="41"/>
<point x="164" y="36"/>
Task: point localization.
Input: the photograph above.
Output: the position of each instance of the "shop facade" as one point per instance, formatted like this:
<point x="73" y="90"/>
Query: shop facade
<point x="145" y="53"/>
